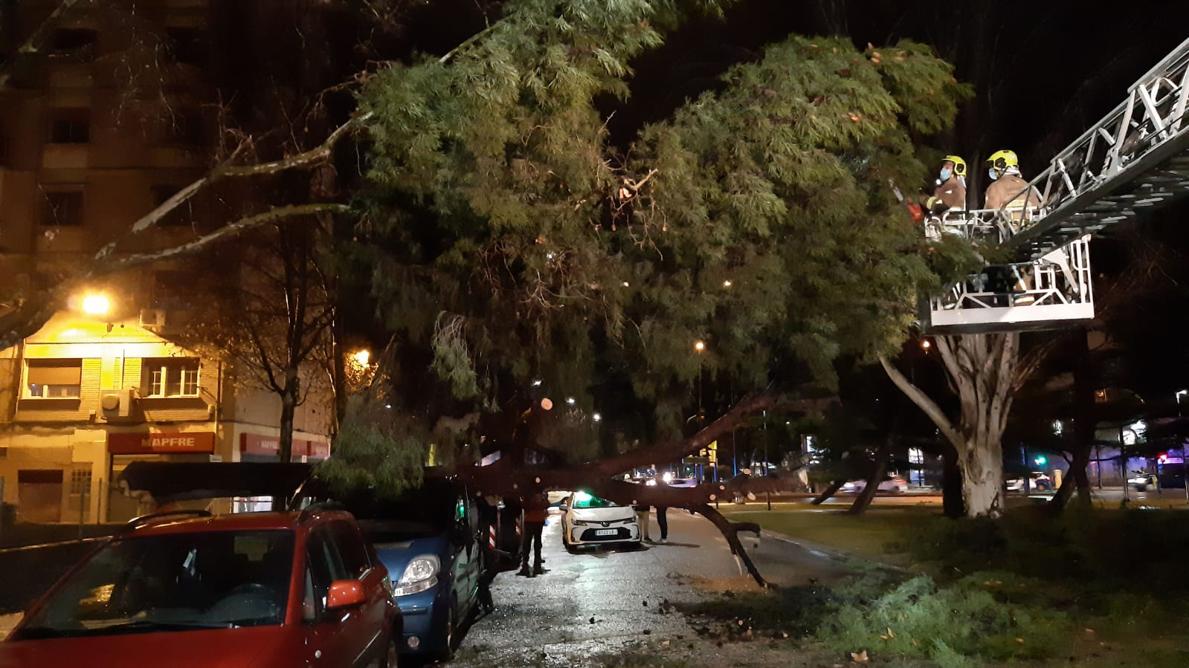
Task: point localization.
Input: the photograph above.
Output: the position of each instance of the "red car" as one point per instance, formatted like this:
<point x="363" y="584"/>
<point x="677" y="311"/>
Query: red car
<point x="186" y="589"/>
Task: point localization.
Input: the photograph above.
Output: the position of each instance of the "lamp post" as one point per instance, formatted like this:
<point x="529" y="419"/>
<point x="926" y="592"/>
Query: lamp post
<point x="1184" y="461"/>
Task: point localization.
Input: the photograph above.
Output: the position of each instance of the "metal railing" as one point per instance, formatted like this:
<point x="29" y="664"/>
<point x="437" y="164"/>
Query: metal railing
<point x="1152" y="116"/>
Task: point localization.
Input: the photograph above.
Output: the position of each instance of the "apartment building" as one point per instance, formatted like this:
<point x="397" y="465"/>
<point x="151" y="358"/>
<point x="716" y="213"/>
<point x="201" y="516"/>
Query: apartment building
<point x="101" y="123"/>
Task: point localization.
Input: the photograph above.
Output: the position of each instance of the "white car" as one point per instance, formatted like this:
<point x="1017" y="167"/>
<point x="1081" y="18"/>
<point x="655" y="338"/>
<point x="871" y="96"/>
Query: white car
<point x="588" y="520"/>
<point x="894" y="484"/>
<point x="1039" y="483"/>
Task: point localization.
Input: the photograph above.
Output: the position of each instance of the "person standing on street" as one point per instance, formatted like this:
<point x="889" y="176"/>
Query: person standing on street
<point x="662" y="520"/>
<point x="642" y="510"/>
<point x="536" y="510"/>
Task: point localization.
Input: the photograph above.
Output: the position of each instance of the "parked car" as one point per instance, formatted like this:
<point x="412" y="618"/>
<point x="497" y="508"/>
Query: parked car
<point x="185" y="589"/>
<point x="428" y="539"/>
<point x="1038" y="481"/>
<point x="588" y="520"/>
<point x="894" y="484"/>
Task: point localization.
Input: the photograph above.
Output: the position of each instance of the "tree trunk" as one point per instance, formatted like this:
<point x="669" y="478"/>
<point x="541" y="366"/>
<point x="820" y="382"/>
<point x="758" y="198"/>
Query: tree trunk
<point x="982" y="476"/>
<point x="982" y="369"/>
<point x="288" y="409"/>
<point x="951" y="484"/>
<point x="828" y="492"/>
<point x="866" y="496"/>
<point x="1077" y="479"/>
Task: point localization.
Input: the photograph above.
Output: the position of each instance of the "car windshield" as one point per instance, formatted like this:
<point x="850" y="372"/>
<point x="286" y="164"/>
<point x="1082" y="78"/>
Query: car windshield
<point x="584" y="500"/>
<point x="172" y="582"/>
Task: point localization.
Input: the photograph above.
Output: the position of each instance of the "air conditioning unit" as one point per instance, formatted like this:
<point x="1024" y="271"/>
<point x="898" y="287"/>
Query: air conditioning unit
<point x="152" y="318"/>
<point x="119" y="403"/>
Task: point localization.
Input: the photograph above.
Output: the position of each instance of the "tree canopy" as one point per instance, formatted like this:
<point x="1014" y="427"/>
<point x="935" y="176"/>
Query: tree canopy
<point x="511" y="240"/>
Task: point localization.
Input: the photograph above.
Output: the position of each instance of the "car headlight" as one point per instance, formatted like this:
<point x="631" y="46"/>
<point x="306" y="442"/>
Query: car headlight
<point x="580" y="523"/>
<point x="419" y="575"/>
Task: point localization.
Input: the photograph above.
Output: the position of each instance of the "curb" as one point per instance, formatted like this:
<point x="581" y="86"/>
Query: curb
<point x="830" y="552"/>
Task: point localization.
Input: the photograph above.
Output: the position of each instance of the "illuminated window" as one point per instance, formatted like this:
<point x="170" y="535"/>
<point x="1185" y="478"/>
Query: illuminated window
<point x="171" y="377"/>
<point x="53" y="379"/>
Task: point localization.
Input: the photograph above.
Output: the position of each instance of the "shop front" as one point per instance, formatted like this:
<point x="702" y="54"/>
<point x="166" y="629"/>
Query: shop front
<point x="127" y="447"/>
<point x="267" y="448"/>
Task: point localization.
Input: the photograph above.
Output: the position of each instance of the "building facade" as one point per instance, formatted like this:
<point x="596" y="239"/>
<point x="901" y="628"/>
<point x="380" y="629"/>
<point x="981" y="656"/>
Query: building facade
<point x="87" y="147"/>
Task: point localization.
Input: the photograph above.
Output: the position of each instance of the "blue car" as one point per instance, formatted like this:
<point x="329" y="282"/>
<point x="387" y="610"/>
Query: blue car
<point x="428" y="541"/>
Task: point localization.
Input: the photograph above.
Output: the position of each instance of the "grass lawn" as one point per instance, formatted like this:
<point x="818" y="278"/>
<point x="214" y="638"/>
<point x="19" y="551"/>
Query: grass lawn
<point x="1100" y="588"/>
<point x="876" y="534"/>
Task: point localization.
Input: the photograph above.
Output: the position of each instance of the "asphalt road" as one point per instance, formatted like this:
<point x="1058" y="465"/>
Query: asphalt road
<point x="597" y="603"/>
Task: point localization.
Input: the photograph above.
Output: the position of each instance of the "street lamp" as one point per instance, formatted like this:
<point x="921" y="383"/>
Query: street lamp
<point x="699" y="346"/>
<point x="362" y="358"/>
<point x="96" y="304"/>
<point x="571" y="400"/>
<point x="926" y="344"/>
<point x="597" y="417"/>
<point x="726" y="283"/>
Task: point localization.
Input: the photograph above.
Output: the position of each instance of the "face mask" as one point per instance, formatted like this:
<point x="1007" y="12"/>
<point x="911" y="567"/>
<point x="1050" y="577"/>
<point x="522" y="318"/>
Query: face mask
<point x="994" y="175"/>
<point x="945" y="174"/>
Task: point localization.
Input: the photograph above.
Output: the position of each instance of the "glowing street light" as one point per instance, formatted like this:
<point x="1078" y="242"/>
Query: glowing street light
<point x="537" y="382"/>
<point x="699" y="346"/>
<point x="597" y="417"/>
<point x="96" y="303"/>
<point x="926" y="344"/>
<point x="547" y="404"/>
<point x="571" y="400"/>
<point x="362" y="357"/>
<point x="727" y="284"/>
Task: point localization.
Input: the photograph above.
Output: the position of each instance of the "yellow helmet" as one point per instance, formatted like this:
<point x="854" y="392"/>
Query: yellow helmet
<point x="959" y="164"/>
<point x="1001" y="160"/>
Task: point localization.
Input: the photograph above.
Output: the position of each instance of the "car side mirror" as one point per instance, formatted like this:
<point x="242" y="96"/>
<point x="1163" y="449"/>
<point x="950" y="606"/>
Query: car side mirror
<point x="563" y="507"/>
<point x="344" y="594"/>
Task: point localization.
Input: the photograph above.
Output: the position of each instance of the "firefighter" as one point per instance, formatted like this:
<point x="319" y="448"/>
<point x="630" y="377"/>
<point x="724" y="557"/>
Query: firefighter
<point x="1011" y="193"/>
<point x="536" y="511"/>
<point x="1009" y="190"/>
<point x="950" y="192"/>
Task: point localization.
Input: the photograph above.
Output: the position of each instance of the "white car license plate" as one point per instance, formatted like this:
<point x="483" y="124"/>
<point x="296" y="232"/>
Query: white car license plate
<point x="606" y="532"/>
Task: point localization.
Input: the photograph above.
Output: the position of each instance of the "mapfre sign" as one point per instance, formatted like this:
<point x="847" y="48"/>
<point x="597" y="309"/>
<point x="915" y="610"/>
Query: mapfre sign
<point x="161" y="443"/>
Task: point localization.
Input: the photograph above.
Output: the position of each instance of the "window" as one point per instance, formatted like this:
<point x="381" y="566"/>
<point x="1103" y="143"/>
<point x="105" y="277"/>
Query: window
<point x="73" y="43"/>
<point x="80" y="481"/>
<point x="187" y="45"/>
<point x="352" y="552"/>
<point x="63" y="207"/>
<point x="179" y="582"/>
<point x="323" y="566"/>
<point x="54" y="379"/>
<point x="170" y="377"/>
<point x="70" y="126"/>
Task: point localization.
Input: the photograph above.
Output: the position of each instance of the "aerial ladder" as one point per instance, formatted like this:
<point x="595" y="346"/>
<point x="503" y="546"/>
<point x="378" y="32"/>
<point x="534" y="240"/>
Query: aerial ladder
<point x="1133" y="160"/>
